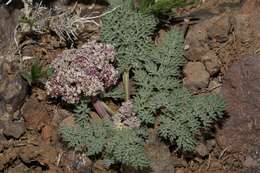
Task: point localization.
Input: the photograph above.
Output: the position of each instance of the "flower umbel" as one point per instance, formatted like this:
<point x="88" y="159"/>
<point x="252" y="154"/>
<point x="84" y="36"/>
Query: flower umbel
<point x="126" y="116"/>
<point x="86" y="71"/>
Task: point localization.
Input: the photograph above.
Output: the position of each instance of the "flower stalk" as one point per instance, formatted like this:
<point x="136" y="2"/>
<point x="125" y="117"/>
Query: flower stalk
<point x="126" y="85"/>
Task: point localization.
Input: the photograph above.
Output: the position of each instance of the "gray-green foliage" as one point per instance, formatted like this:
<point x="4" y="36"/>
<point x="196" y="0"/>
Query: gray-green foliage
<point x="157" y="79"/>
<point x="158" y="76"/>
<point x="160" y="7"/>
<point x="127" y="3"/>
<point x="130" y="32"/>
<point x="90" y="139"/>
<point x="182" y="119"/>
<point x="126" y="147"/>
<point x="116" y="93"/>
<point x="100" y="137"/>
<point x="82" y="111"/>
<point x="159" y="88"/>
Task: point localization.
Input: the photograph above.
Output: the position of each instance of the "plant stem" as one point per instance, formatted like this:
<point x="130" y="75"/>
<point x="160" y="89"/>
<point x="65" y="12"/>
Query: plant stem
<point x="108" y="109"/>
<point x="126" y="84"/>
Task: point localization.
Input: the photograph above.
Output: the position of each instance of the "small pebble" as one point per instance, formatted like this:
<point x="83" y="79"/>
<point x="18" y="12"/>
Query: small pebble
<point x="14" y="129"/>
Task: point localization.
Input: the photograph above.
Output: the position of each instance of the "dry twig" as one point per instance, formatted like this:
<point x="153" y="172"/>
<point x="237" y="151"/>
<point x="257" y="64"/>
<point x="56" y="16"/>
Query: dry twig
<point x="223" y="152"/>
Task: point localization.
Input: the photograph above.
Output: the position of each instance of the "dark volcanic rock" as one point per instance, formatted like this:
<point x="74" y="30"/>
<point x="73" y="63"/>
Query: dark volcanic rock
<point x="8" y="23"/>
<point x="241" y="89"/>
<point x="13" y="89"/>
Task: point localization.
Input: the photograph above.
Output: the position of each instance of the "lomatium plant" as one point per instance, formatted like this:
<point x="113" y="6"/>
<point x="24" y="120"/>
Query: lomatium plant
<point x="91" y="75"/>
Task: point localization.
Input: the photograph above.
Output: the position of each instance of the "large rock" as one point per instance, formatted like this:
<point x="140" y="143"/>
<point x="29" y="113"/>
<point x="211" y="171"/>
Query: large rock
<point x="35" y="114"/>
<point x="40" y="158"/>
<point x="199" y="37"/>
<point x="242" y="24"/>
<point x="196" y="76"/>
<point x="14" y="129"/>
<point x="13" y="89"/>
<point x="8" y="23"/>
<point x="242" y="93"/>
<point x="221" y="29"/>
<point x="212" y="63"/>
<point x="196" y="42"/>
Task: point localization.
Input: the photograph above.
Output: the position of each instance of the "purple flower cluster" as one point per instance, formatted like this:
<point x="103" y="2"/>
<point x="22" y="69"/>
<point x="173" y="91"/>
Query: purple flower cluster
<point x="126" y="116"/>
<point x="86" y="71"/>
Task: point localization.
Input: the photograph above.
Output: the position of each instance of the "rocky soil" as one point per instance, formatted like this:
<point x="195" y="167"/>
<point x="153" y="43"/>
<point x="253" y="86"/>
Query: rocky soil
<point x="222" y="50"/>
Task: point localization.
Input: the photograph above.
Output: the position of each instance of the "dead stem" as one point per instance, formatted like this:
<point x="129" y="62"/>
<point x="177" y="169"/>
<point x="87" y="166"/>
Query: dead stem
<point x="126" y="84"/>
<point x="108" y="109"/>
<point x="223" y="152"/>
<point x="86" y="19"/>
<point x="59" y="158"/>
